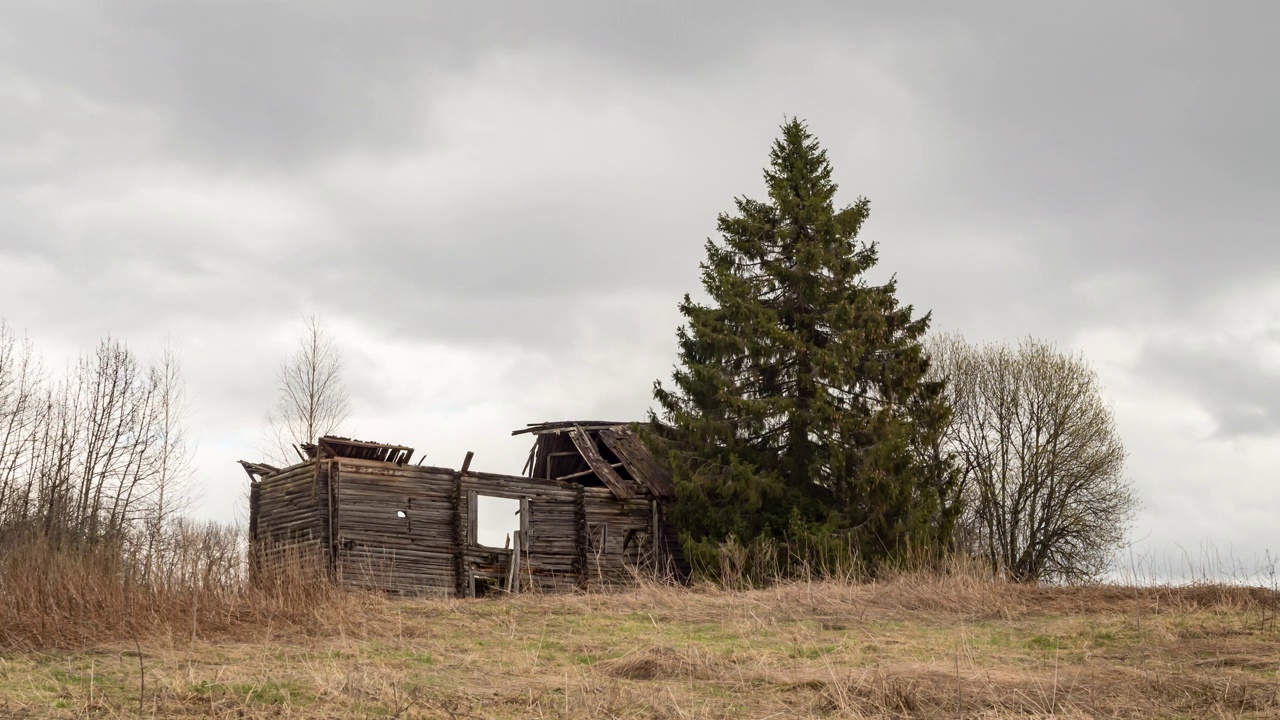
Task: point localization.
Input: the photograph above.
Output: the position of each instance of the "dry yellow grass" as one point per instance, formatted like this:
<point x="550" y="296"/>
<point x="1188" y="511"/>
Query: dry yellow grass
<point x="68" y="594"/>
<point x="918" y="645"/>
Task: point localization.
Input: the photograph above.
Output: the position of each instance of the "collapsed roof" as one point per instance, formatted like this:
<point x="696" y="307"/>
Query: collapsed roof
<point x="596" y="452"/>
<point x="586" y="452"/>
<point x="333" y="446"/>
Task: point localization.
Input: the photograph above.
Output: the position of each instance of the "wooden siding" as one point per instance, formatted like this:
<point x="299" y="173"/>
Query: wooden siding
<point x="412" y="529"/>
<point x="625" y="526"/>
<point x="289" y="514"/>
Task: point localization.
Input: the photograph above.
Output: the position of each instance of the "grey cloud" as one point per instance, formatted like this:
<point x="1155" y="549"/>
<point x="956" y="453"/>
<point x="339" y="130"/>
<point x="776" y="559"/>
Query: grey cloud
<point x="1233" y="384"/>
<point x="1101" y="115"/>
<point x="1145" y="127"/>
<point x="251" y="83"/>
<point x="528" y="186"/>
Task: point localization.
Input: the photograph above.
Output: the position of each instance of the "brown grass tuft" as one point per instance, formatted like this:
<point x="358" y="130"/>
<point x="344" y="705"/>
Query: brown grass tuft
<point x="663" y="663"/>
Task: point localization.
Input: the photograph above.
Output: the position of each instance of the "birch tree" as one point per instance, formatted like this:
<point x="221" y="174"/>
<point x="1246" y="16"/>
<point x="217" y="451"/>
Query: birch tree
<point x="312" y="400"/>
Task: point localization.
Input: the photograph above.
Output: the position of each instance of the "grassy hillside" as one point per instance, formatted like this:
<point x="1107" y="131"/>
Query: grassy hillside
<point x="915" y="646"/>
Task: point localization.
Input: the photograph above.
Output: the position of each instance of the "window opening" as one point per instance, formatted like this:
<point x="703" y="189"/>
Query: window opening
<point x="497" y="521"/>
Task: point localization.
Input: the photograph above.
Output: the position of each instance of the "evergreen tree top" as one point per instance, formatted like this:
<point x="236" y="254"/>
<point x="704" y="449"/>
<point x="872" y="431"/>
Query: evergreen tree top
<point x="799" y="171"/>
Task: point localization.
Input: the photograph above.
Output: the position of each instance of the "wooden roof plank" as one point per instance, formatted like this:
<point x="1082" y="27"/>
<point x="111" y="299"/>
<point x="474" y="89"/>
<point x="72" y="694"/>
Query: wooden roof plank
<point x="362" y="450"/>
<point x="587" y="446"/>
<point x="631" y="450"/>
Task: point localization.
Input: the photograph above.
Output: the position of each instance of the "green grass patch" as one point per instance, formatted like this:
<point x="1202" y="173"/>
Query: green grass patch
<point x="420" y="658"/>
<point x="1045" y="642"/>
<point x="268" y="692"/>
<point x="811" y="652"/>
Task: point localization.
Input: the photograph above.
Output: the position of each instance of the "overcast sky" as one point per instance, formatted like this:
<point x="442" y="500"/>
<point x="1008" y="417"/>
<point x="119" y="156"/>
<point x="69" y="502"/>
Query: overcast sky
<point x="496" y="207"/>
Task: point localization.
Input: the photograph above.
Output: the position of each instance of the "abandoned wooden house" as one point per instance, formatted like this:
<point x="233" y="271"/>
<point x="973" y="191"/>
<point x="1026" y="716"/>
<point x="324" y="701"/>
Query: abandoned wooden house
<point x="589" y="510"/>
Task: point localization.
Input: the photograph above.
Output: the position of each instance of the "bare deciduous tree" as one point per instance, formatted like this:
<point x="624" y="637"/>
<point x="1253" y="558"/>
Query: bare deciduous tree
<point x="1042" y="463"/>
<point x="97" y="454"/>
<point x="313" y="400"/>
<point x="173" y="464"/>
<point x="21" y="420"/>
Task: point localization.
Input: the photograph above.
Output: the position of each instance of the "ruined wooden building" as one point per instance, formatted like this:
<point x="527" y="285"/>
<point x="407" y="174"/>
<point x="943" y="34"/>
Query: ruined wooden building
<point x="592" y="510"/>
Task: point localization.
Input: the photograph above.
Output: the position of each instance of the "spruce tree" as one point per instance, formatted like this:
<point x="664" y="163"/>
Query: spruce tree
<point x="800" y="403"/>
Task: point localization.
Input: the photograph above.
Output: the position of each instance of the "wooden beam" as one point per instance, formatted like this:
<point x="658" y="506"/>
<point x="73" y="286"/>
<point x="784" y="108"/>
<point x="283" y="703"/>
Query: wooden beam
<point x="359" y="449"/>
<point x="513" y="566"/>
<point x="586" y="472"/>
<point x="257" y="471"/>
<point x="564" y="426"/>
<point x="528" y="464"/>
<point x="472" y="529"/>
<point x="466" y="462"/>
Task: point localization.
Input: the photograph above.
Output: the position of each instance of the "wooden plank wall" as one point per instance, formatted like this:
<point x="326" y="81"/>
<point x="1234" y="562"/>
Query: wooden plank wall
<point x="550" y="548"/>
<point x="420" y="552"/>
<point x="430" y="548"/>
<point x="379" y="549"/>
<point x="615" y="564"/>
<point x="289" y="514"/>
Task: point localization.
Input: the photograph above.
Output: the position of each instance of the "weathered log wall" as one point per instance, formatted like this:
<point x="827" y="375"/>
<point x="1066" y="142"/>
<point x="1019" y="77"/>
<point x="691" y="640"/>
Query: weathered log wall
<point x="288" y="514"/>
<point x="549" y="558"/>
<point x="394" y="526"/>
<point x="412" y="529"/>
<point x="625" y="528"/>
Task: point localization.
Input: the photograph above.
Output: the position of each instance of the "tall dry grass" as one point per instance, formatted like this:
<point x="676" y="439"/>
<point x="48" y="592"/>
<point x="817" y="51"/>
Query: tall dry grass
<point x="951" y="639"/>
<point x="765" y="562"/>
<point x="190" y="580"/>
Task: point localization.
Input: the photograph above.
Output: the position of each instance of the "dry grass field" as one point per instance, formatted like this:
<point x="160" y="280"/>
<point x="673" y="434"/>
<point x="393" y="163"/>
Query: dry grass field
<point x="919" y="645"/>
